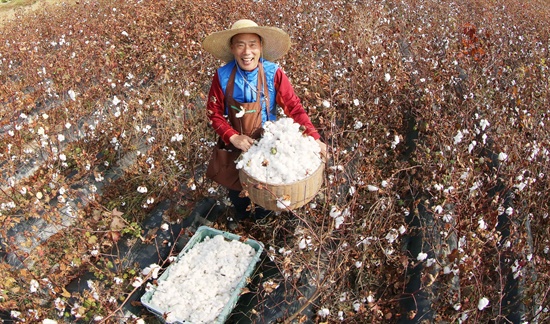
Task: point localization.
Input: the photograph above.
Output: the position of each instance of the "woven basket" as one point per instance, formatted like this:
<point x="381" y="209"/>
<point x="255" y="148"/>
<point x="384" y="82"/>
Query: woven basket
<point x="299" y="193"/>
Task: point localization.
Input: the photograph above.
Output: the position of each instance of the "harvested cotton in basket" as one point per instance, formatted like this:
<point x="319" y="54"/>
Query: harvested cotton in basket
<point x="203" y="280"/>
<point x="283" y="155"/>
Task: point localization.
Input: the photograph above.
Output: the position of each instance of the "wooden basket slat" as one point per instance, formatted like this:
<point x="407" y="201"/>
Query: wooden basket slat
<point x="300" y="192"/>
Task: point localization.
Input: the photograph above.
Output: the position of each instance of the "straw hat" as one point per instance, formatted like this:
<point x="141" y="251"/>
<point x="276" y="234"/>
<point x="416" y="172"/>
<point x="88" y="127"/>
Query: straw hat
<point x="275" y="41"/>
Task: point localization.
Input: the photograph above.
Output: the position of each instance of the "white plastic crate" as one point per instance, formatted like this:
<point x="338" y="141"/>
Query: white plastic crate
<point x="201" y="233"/>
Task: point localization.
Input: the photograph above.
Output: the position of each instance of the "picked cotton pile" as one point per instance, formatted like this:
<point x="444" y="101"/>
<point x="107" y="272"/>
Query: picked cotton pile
<point x="202" y="281"/>
<point x="283" y="155"/>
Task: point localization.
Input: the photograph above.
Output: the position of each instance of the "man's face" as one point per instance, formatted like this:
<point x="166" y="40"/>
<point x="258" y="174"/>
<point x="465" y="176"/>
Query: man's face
<point x="246" y="49"/>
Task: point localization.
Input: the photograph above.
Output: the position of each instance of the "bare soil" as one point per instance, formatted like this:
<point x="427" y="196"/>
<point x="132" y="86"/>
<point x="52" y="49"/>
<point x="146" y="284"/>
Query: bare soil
<point x="9" y="10"/>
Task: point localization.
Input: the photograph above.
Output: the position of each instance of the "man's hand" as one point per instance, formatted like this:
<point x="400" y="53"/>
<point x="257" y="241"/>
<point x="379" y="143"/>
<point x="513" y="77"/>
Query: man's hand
<point x="323" y="147"/>
<point x="242" y="142"/>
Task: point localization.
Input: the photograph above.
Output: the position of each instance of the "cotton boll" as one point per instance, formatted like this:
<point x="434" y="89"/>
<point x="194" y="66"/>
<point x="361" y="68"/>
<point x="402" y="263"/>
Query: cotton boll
<point x="421" y="256"/>
<point x="372" y="188"/>
<point x="324" y="312"/>
<point x="283" y="203"/>
<point x="302" y="244"/>
<point x="153" y="269"/>
<point x="335" y="212"/>
<point x="34" y="286"/>
<point x="338" y="221"/>
<point x="138" y="281"/>
<point x="482" y="303"/>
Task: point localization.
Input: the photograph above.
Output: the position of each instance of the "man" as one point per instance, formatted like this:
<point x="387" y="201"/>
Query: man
<point x="245" y="93"/>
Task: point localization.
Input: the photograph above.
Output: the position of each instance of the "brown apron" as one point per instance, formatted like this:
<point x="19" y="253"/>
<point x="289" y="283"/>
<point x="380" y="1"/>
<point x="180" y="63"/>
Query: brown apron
<point x="245" y="118"/>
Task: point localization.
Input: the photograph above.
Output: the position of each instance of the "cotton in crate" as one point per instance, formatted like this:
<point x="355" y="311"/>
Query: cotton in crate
<point x="204" y="284"/>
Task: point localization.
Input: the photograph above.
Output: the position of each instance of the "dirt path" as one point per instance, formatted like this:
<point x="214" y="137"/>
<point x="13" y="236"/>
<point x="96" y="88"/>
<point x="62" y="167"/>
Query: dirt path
<point x="10" y="9"/>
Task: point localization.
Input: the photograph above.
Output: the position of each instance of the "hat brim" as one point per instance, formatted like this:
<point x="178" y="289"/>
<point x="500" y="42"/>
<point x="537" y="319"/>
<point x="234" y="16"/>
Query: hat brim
<point x="275" y="42"/>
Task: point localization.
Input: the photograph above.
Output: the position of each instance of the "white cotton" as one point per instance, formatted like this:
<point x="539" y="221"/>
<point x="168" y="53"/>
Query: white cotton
<point x="283" y="155"/>
<point x="421" y="256"/>
<point x="335" y="212"/>
<point x="202" y="281"/>
<point x="372" y="188"/>
<point x="49" y="321"/>
<point x="138" y="281"/>
<point x="283" y="203"/>
<point x="34" y="286"/>
<point x="338" y="215"/>
<point x="72" y="94"/>
<point x="152" y="269"/>
<point x="241" y="112"/>
<point x="305" y="242"/>
<point x="395" y="141"/>
<point x="483" y="302"/>
<point x="482" y="224"/>
<point x="458" y="137"/>
<point x="323" y="312"/>
<point x="338" y="221"/>
<point x="302" y="244"/>
<point x="402" y="229"/>
<point x="370" y="299"/>
<point x="471" y="146"/>
<point x="115" y="100"/>
<point x="484" y="123"/>
<point x="392" y="236"/>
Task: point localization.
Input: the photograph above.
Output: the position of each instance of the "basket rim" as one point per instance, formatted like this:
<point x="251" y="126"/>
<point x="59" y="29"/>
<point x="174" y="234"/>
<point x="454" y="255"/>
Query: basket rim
<point x="321" y="165"/>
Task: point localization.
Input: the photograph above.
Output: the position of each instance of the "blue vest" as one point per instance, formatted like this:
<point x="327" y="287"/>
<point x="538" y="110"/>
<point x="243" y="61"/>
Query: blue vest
<point x="246" y="91"/>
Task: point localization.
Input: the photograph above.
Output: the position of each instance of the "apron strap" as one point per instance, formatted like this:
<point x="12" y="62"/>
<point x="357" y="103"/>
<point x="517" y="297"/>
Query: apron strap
<point x="262" y="81"/>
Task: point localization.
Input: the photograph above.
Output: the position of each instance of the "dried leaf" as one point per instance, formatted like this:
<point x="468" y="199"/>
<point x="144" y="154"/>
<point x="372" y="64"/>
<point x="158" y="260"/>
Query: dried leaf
<point x="65" y="293"/>
<point x="92" y="239"/>
<point x="114" y="236"/>
<point x="117" y="223"/>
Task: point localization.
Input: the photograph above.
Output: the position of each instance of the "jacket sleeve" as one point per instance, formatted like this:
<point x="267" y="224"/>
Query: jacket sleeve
<point x="292" y="107"/>
<point x="215" y="110"/>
